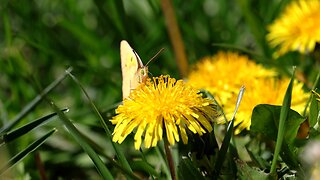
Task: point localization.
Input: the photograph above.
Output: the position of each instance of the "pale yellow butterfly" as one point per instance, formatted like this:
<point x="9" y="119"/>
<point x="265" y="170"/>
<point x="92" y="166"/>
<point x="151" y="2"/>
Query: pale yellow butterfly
<point x="133" y="70"/>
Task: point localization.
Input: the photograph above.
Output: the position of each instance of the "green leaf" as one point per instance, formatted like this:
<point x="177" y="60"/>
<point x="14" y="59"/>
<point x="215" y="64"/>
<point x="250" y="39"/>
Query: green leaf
<point x="226" y="141"/>
<point x="104" y="172"/>
<point x="246" y="172"/>
<point x="314" y="111"/>
<point x="100" y="150"/>
<point x="187" y="170"/>
<point x="34" y="103"/>
<point x="26" y="151"/>
<point x="265" y="120"/>
<point x="257" y="159"/>
<point x="151" y="172"/>
<point x="141" y="165"/>
<point x="162" y="159"/>
<point x="283" y="132"/>
<point x="116" y="147"/>
<point x="10" y="136"/>
<point x="315" y="85"/>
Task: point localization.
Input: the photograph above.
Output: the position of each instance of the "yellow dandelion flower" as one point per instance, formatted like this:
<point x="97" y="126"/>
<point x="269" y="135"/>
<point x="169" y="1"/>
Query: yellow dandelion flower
<point x="265" y="91"/>
<point x="224" y="74"/>
<point x="298" y="27"/>
<point x="163" y="104"/>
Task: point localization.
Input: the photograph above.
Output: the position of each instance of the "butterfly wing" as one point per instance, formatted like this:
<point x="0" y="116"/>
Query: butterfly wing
<point x="130" y="63"/>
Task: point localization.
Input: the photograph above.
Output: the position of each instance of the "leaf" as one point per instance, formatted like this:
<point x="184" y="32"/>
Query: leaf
<point x="265" y="120"/>
<point x="285" y="135"/>
<point x="26" y="151"/>
<point x="315" y="85"/>
<point x="116" y="147"/>
<point x="280" y="124"/>
<point x="257" y="159"/>
<point x="314" y="110"/>
<point x="141" y="165"/>
<point x="187" y="170"/>
<point x="104" y="172"/>
<point x="10" y="136"/>
<point x="100" y="150"/>
<point x="226" y="141"/>
<point x="34" y="103"/>
<point x="247" y="172"/>
<point x="162" y="160"/>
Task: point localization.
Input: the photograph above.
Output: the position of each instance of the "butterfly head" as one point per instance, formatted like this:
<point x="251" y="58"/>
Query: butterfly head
<point x="142" y="74"/>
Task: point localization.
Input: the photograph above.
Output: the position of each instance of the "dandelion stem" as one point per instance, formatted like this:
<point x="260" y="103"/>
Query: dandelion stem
<point x="169" y="158"/>
<point x="40" y="166"/>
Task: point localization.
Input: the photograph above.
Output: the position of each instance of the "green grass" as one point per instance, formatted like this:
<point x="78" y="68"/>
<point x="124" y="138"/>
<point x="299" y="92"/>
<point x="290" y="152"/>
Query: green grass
<point x="40" y="40"/>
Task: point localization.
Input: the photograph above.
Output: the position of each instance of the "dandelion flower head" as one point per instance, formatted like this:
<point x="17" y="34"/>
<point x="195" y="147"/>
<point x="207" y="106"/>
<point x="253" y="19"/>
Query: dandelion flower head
<point x="224" y="74"/>
<point x="265" y="91"/>
<point x="161" y="106"/>
<point x="297" y="28"/>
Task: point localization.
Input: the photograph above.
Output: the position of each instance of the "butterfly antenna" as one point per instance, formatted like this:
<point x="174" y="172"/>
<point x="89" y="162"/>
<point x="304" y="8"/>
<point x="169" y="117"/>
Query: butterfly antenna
<point x="156" y="55"/>
<point x="150" y="73"/>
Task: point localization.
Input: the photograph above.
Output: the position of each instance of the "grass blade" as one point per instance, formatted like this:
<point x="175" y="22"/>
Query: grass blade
<point x="119" y="153"/>
<point x="104" y="172"/>
<point x="283" y="116"/>
<point x="220" y="109"/>
<point x="226" y="141"/>
<point x="151" y="173"/>
<point x="10" y="136"/>
<point x="143" y="165"/>
<point x="26" y="151"/>
<point x="188" y="170"/>
<point x="100" y="150"/>
<point x="162" y="159"/>
<point x="315" y="84"/>
<point x="314" y="109"/>
<point x="34" y="103"/>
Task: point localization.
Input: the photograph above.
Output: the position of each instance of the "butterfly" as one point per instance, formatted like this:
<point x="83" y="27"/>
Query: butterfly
<point x="133" y="70"/>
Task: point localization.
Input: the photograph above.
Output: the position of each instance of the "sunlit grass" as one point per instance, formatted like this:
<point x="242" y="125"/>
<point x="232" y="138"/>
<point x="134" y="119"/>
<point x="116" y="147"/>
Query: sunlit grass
<point x="40" y="40"/>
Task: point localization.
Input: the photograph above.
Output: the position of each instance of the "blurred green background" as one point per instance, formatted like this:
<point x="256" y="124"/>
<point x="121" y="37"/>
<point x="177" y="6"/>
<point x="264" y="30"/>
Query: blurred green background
<point x="39" y="40"/>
